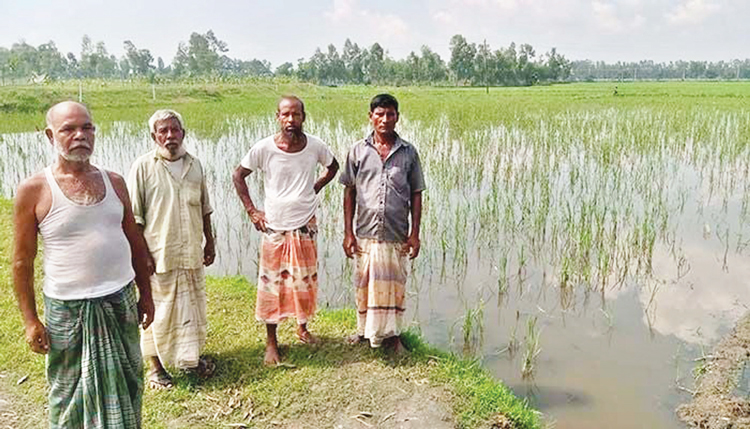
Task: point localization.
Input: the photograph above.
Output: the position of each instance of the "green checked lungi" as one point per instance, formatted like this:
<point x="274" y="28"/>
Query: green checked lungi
<point x="94" y="364"/>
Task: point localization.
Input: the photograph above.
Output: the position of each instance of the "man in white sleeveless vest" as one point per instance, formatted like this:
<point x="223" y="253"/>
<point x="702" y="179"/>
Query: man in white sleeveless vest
<point x="93" y="252"/>
<point x="287" y="270"/>
<point x="171" y="205"/>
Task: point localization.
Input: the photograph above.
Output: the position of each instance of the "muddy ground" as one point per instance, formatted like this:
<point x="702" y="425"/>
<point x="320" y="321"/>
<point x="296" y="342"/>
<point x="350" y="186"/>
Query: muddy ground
<point x="713" y="405"/>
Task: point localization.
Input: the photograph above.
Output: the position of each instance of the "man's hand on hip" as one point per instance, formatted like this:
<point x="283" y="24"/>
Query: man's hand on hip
<point x="258" y="218"/>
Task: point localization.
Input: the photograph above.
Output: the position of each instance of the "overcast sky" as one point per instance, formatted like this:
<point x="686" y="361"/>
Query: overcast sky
<point x="280" y="31"/>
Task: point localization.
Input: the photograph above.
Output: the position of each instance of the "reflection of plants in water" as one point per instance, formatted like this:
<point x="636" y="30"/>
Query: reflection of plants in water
<point x="513" y="343"/>
<point x="502" y="278"/>
<point x="532" y="347"/>
<point x="683" y="266"/>
<point x="567" y="297"/>
<point x="608" y="317"/>
<point x="650" y="310"/>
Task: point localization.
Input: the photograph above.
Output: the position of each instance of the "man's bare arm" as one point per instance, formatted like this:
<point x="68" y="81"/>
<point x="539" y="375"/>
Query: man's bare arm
<point x="350" y="241"/>
<point x="412" y="243"/>
<point x="256" y="216"/>
<point x="26" y="229"/>
<point x="209" y="249"/>
<point x="136" y="193"/>
<point x="150" y="263"/>
<point x="139" y="250"/>
<point x="327" y="176"/>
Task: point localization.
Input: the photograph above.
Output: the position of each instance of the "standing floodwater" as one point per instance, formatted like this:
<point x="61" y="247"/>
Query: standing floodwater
<point x="588" y="256"/>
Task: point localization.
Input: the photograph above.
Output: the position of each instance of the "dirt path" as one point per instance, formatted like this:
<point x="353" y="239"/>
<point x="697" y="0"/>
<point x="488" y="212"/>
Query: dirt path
<point x="359" y="395"/>
<point x="713" y="406"/>
<point x="380" y="398"/>
<point x="8" y="417"/>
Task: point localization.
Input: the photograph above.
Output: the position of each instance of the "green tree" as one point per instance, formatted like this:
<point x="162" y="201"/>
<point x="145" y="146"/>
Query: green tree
<point x="503" y="66"/>
<point x="557" y="67"/>
<point x="25" y="59"/>
<point x="527" y="70"/>
<point x="140" y="60"/>
<point x="285" y="70"/>
<point x="432" y="67"/>
<point x="374" y="62"/>
<point x="95" y="60"/>
<point x="483" y="65"/>
<point x="353" y="58"/>
<point x="201" y="56"/>
<point x="334" y="71"/>
<point x="409" y="70"/>
<point x="50" y="61"/>
<point x="462" y="59"/>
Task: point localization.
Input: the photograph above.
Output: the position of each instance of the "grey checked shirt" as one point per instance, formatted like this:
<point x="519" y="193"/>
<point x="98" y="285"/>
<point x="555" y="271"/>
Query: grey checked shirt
<point x="384" y="189"/>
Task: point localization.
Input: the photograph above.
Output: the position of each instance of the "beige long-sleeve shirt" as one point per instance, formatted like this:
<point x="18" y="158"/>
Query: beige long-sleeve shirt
<point x="171" y="209"/>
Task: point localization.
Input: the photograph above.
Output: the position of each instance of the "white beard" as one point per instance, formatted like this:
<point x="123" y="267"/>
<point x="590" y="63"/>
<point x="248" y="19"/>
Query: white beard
<point x="82" y="157"/>
<point x="164" y="152"/>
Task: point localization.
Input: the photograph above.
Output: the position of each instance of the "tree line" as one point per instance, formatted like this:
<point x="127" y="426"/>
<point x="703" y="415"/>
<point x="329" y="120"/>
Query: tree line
<point x="650" y="70"/>
<point x="475" y="64"/>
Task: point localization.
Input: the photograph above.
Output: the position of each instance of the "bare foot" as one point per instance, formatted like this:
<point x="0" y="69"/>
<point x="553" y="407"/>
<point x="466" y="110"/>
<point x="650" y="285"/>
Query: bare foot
<point x="305" y="337"/>
<point x="272" y="355"/>
<point x="355" y="339"/>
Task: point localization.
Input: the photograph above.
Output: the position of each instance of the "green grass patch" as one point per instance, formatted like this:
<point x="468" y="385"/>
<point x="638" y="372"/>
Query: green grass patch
<point x="22" y="107"/>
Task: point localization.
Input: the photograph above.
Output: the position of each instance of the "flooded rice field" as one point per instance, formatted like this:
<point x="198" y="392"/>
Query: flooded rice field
<point x="588" y="258"/>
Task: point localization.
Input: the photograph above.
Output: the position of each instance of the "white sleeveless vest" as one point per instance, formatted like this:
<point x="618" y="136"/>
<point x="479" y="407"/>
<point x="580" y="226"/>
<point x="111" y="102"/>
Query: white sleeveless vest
<point x="86" y="253"/>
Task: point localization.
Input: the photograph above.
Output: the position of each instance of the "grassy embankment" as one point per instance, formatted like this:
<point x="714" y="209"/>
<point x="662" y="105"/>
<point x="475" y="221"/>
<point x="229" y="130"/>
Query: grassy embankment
<point x="317" y="386"/>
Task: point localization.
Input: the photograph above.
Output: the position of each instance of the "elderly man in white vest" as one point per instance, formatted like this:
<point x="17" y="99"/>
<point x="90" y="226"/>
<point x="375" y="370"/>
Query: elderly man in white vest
<point x="93" y="252"/>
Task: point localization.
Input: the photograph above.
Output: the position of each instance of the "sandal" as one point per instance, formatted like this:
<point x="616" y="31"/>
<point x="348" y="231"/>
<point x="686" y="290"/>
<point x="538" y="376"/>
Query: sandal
<point x="205" y="369"/>
<point x="160" y="380"/>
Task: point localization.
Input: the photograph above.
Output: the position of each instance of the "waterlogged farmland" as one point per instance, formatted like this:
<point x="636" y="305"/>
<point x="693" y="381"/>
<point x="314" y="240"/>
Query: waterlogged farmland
<point x="588" y="247"/>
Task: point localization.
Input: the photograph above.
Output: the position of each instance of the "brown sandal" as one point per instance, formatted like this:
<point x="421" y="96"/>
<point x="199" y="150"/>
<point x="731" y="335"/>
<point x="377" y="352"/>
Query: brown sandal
<point x="205" y="369"/>
<point x="160" y="380"/>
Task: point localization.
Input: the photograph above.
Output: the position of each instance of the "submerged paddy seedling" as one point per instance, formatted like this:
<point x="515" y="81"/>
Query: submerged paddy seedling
<point x="473" y="328"/>
<point x="502" y="277"/>
<point x="532" y="347"/>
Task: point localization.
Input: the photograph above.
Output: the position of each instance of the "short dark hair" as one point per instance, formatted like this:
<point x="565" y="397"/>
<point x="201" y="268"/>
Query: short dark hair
<point x="292" y="98"/>
<point x="384" y="101"/>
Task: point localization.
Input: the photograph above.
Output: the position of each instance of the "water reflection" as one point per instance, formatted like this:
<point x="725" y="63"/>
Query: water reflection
<point x="546" y="398"/>
<point x="703" y="304"/>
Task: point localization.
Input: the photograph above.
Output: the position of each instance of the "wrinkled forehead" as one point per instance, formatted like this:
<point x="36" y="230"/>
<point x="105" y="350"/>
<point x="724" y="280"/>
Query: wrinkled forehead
<point x="286" y="104"/>
<point x="69" y="113"/>
<point x="171" y="122"/>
